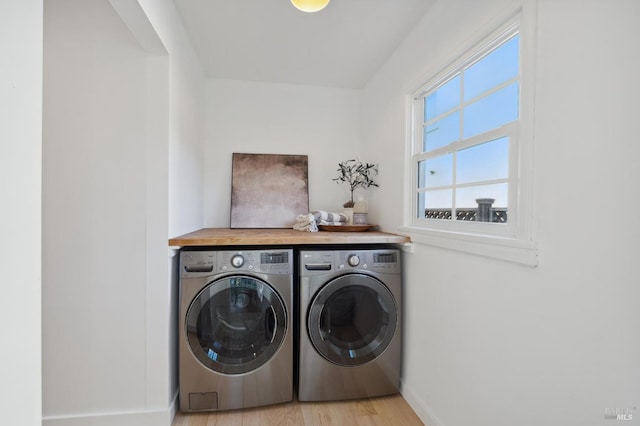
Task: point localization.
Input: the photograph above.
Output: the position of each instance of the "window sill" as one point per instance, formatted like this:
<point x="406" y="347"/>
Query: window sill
<point x="507" y="249"/>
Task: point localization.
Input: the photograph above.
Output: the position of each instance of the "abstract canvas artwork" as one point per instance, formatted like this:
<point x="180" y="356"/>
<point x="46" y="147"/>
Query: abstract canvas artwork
<point x="268" y="190"/>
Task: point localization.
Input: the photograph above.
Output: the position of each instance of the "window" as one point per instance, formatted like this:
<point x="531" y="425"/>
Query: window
<point x="469" y="155"/>
<point x="466" y="126"/>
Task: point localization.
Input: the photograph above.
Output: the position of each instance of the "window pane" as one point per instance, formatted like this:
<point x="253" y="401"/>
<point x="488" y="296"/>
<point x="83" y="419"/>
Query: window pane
<point x="466" y="197"/>
<point x="492" y="111"/>
<point x="436" y="172"/>
<point x="483" y="162"/>
<point x="442" y="100"/>
<point x="495" y="68"/>
<point x="442" y="132"/>
<point x="435" y="204"/>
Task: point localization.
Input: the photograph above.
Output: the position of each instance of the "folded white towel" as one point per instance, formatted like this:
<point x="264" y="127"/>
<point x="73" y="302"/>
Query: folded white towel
<point x="309" y="222"/>
<point x="305" y="228"/>
<point x="305" y="222"/>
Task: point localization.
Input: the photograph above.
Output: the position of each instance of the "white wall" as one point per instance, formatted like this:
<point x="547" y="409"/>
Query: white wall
<point x="493" y="343"/>
<point x="94" y="202"/>
<point x="122" y="124"/>
<point x="252" y="117"/>
<point x="20" y="190"/>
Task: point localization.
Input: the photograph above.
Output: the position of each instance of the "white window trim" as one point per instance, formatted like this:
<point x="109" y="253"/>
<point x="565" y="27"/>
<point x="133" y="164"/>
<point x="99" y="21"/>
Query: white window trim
<point x="514" y="243"/>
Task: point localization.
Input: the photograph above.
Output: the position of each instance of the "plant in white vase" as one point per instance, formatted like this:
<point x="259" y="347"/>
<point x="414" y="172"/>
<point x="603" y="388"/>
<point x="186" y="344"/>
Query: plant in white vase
<point x="356" y="174"/>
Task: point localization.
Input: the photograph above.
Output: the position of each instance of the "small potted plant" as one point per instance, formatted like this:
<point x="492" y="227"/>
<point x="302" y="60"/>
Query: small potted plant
<point x="356" y="174"/>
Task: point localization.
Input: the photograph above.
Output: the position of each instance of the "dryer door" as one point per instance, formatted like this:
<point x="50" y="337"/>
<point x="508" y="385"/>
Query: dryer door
<point x="236" y="324"/>
<point x="352" y="319"/>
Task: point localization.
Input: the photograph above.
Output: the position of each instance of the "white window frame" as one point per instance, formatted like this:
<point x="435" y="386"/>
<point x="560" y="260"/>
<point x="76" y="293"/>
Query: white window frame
<point x="512" y="241"/>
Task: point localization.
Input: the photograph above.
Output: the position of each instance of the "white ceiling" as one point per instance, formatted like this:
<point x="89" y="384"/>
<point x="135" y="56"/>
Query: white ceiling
<point x="269" y="40"/>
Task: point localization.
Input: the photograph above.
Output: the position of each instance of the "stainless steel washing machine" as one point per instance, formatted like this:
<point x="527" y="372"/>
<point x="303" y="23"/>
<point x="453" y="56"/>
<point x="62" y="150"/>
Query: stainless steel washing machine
<point x="235" y="330"/>
<point x="350" y="333"/>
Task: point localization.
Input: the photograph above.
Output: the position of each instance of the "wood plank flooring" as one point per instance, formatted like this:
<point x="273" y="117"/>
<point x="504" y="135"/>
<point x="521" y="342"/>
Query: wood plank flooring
<point x="382" y="411"/>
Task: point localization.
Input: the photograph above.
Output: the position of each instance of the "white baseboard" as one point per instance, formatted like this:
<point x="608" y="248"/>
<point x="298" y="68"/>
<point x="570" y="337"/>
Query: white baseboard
<point x="133" y="418"/>
<point x="419" y="406"/>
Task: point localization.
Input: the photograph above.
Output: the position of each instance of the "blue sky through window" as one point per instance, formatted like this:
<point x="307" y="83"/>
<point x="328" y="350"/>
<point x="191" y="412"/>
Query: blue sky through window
<point x="480" y="98"/>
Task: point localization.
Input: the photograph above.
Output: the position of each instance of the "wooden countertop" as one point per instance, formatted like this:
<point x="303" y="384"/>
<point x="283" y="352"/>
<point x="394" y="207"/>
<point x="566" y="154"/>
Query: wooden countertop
<point x="238" y="237"/>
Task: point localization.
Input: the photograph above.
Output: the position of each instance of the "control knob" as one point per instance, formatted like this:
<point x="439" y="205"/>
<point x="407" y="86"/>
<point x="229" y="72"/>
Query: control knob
<point x="237" y="260"/>
<point x="353" y="260"/>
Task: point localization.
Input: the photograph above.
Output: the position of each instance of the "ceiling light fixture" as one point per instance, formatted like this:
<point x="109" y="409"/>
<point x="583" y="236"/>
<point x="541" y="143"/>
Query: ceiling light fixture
<point x="310" y="5"/>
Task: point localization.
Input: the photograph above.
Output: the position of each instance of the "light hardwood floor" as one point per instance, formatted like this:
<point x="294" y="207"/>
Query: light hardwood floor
<point x="382" y="411"/>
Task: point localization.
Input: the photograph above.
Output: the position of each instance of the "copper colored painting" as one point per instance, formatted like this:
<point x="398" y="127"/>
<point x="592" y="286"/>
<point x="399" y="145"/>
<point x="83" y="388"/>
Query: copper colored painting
<point x="268" y="190"/>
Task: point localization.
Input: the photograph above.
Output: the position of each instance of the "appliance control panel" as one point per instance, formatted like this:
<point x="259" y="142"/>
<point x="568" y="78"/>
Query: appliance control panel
<point x="379" y="260"/>
<point x="202" y="263"/>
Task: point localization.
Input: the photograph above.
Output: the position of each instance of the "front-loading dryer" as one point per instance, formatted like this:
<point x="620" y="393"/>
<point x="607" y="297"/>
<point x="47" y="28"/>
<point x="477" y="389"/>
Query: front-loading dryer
<point x="235" y="328"/>
<point x="350" y="333"/>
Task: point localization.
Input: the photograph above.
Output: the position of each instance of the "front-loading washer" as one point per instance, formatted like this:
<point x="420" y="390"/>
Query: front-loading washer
<point x="235" y="328"/>
<point x="350" y="323"/>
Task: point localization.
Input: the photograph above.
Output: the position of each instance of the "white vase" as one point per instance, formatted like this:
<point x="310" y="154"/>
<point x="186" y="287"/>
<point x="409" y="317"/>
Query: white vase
<point x="360" y="211"/>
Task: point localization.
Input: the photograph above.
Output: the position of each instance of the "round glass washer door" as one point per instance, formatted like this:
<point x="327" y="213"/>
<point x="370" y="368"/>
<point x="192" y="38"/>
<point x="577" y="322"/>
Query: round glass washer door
<point x="352" y="319"/>
<point x="236" y="324"/>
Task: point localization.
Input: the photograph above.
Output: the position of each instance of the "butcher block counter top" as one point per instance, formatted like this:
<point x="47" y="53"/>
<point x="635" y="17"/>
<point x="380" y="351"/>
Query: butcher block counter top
<point x="251" y="237"/>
